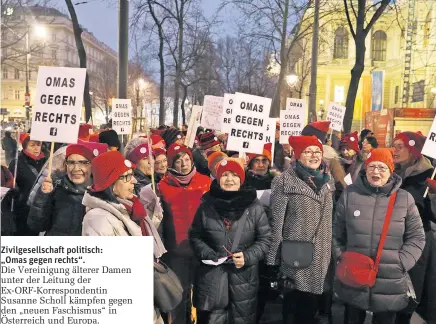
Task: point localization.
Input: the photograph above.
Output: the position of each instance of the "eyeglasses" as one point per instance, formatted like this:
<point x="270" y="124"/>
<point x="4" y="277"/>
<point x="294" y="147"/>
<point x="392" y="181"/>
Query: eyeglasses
<point x="161" y="162"/>
<point x="262" y="161"/>
<point x="312" y="153"/>
<point x="126" y="178"/>
<point x="80" y="164"/>
<point x="380" y="168"/>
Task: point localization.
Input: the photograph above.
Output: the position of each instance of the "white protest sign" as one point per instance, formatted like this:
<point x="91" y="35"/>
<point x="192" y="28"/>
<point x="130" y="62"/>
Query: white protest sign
<point x="249" y="120"/>
<point x="335" y="114"/>
<point x="270" y="134"/>
<point x="293" y="119"/>
<point x="58" y="104"/>
<point x="211" y="116"/>
<point x="227" y="112"/>
<point x="429" y="148"/>
<point x="122" y="116"/>
<point x="194" y="122"/>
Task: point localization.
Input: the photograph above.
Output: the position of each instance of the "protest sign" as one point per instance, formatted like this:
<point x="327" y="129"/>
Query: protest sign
<point x="270" y="134"/>
<point x="249" y="120"/>
<point x="335" y="114"/>
<point x="293" y="119"/>
<point x="211" y="116"/>
<point x="122" y="116"/>
<point x="58" y="104"/>
<point x="227" y="112"/>
<point x="429" y="148"/>
<point x="194" y="122"/>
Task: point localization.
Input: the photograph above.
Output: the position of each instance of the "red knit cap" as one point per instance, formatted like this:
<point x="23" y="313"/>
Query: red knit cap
<point x="300" y="143"/>
<point x="230" y="164"/>
<point x="267" y="148"/>
<point x="157" y="141"/>
<point x="107" y="168"/>
<point x="431" y="184"/>
<point x="413" y="141"/>
<point x="93" y="137"/>
<point x="213" y="157"/>
<point x="175" y="149"/>
<point x="381" y="155"/>
<point x="159" y="151"/>
<point x="84" y="131"/>
<point x="350" y="141"/>
<point x="140" y="152"/>
<point x="319" y="129"/>
<point x="24" y="139"/>
<point x="89" y="150"/>
<point x="208" y="140"/>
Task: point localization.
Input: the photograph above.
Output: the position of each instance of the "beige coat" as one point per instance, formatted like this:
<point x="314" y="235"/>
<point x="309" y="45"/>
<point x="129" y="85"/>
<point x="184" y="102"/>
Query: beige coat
<point x="107" y="219"/>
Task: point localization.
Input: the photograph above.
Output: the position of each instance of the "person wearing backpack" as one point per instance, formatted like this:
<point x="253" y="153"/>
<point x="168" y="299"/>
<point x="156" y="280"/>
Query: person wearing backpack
<point x="377" y="236"/>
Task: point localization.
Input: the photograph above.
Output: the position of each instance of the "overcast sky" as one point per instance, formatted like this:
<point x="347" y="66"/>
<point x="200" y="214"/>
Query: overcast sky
<point x="101" y="18"/>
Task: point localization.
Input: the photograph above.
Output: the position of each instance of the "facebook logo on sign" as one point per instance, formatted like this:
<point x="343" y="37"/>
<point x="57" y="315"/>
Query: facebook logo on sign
<point x="53" y="131"/>
<point x="245" y="144"/>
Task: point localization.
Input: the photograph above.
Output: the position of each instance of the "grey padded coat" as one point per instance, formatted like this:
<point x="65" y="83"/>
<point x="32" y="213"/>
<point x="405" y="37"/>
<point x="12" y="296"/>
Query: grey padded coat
<point x="357" y="226"/>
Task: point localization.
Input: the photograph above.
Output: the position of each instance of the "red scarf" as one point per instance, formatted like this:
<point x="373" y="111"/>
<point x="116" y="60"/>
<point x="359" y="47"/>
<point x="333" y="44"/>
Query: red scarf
<point x="137" y="213"/>
<point x="34" y="157"/>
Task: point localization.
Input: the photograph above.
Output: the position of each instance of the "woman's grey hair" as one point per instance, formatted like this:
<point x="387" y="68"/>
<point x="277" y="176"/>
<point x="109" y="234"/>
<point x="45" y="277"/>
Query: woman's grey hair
<point x="133" y="144"/>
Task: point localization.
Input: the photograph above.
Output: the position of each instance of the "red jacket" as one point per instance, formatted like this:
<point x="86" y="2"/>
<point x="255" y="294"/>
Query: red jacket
<point x="183" y="201"/>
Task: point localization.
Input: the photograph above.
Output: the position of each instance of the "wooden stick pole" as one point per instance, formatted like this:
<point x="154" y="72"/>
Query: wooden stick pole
<point x="150" y="160"/>
<point x="432" y="177"/>
<point x="50" y="161"/>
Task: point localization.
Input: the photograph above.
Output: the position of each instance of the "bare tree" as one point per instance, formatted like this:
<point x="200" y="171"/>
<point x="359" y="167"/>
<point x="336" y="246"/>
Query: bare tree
<point x="82" y="57"/>
<point x="360" y="23"/>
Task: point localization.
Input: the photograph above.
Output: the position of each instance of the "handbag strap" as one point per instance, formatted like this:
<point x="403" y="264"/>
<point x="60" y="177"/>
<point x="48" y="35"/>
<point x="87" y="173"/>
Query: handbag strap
<point x="385" y="230"/>
<point x="239" y="231"/>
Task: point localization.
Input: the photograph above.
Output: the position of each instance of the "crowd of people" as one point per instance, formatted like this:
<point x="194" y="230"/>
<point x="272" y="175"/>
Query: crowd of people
<point x="242" y="230"/>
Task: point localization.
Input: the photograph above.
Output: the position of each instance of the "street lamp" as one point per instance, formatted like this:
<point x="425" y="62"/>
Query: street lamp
<point x="292" y="79"/>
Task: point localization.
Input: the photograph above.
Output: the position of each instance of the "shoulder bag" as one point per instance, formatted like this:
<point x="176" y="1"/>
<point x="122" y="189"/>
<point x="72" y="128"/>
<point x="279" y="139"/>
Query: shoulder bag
<point x="168" y="291"/>
<point x="299" y="254"/>
<point x="358" y="270"/>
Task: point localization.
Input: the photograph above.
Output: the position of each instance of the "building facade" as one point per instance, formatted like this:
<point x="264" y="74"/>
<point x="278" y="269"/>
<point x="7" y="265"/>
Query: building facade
<point x="381" y="84"/>
<point x="47" y="35"/>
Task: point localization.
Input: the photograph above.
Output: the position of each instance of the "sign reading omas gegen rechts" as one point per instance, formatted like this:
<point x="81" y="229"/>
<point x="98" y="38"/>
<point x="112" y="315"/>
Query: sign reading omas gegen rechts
<point x="335" y="114"/>
<point x="122" y="116"/>
<point x="249" y="122"/>
<point x="58" y="104"/>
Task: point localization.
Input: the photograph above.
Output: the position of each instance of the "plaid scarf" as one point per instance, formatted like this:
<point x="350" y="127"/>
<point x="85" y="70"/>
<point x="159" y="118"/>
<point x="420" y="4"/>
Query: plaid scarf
<point x="315" y="179"/>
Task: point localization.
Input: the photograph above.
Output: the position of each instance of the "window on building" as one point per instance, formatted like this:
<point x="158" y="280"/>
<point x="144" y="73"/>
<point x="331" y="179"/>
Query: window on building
<point x="54" y="54"/>
<point x="379" y="44"/>
<point x="17" y="74"/>
<point x="341" y="44"/>
<point x="397" y="93"/>
<point x="5" y="73"/>
<point x="427" y="26"/>
<point x="17" y="94"/>
<point x="5" y="94"/>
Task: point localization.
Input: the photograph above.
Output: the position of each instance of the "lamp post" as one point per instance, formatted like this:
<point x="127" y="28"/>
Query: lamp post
<point x="140" y="84"/>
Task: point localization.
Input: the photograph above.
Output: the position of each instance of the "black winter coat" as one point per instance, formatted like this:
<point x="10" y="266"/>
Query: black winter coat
<point x="209" y="234"/>
<point x="200" y="162"/>
<point x="27" y="172"/>
<point x="59" y="213"/>
<point x="142" y="181"/>
<point x="259" y="182"/>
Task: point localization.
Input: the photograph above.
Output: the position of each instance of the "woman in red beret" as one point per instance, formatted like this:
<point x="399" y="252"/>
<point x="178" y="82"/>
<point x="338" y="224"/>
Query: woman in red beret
<point x="229" y="289"/>
<point x="181" y="190"/>
<point x="29" y="164"/>
<point x="57" y="206"/>
<point x="301" y="204"/>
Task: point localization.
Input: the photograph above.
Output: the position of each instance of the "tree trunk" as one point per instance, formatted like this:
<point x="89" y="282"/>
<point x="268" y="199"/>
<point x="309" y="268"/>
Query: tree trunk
<point x="162" y="65"/>
<point x="179" y="62"/>
<point x="276" y="102"/>
<point x="356" y="73"/>
<point x="82" y="58"/>
<point x="182" y="106"/>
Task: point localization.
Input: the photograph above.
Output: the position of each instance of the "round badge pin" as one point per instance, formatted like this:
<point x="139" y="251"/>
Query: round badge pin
<point x="177" y="148"/>
<point x="412" y="143"/>
<point x="143" y="150"/>
<point x="95" y="152"/>
<point x="224" y="163"/>
<point x="127" y="163"/>
<point x="215" y="138"/>
<point x="179" y="137"/>
<point x="352" y="139"/>
<point x="357" y="213"/>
